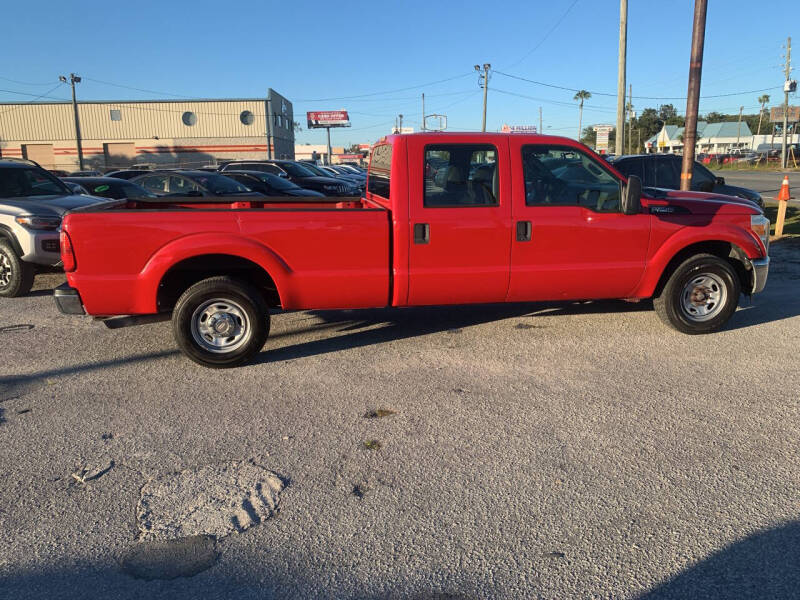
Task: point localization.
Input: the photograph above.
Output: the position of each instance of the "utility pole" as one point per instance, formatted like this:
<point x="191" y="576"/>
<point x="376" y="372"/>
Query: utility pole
<point x="73" y="79"/>
<point x="739" y="130"/>
<point x="401" y="123"/>
<point x="788" y="71"/>
<point x="485" y="75"/>
<point x="623" y="51"/>
<point x="693" y="95"/>
<point x="269" y="125"/>
<point x="630" y="115"/>
<point x="541" y="128"/>
<point x="423" y="112"/>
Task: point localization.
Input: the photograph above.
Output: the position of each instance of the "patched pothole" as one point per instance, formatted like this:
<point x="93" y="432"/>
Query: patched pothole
<point x="214" y="500"/>
<point x="184" y="557"/>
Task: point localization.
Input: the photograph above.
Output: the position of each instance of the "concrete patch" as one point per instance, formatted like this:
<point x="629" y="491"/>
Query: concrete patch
<point x="184" y="557"/>
<point x="212" y="500"/>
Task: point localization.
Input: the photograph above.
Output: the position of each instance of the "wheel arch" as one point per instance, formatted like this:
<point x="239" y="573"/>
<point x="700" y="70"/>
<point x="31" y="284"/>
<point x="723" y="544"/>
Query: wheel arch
<point x="6" y="234"/>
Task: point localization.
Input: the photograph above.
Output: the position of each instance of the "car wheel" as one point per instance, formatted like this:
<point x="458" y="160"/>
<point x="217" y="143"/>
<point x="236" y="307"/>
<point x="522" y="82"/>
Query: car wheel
<point x="700" y="295"/>
<point x="16" y="276"/>
<point x="221" y="322"/>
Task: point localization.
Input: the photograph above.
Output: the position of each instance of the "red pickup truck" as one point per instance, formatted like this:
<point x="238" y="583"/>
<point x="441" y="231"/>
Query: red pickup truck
<point x="447" y="218"/>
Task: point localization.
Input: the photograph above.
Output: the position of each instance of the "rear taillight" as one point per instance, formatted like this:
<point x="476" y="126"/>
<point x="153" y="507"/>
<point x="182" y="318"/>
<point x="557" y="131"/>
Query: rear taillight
<point x="67" y="254"/>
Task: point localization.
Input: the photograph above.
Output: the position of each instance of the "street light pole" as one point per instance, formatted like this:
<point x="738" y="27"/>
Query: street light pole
<point x="73" y="79"/>
<point x="623" y="51"/>
<point x="784" y="155"/>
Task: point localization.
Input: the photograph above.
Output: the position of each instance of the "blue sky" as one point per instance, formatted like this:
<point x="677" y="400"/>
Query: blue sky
<point x="310" y="51"/>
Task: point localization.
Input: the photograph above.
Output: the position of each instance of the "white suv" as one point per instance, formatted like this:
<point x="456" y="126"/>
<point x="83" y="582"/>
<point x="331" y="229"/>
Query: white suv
<point x="32" y="202"/>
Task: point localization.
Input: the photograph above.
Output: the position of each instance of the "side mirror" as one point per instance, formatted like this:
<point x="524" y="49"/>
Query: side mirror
<point x="632" y="196"/>
<point x="720" y="181"/>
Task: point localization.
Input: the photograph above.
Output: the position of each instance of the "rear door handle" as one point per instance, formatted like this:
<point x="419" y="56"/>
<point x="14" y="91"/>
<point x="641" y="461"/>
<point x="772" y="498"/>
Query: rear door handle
<point x="422" y="233"/>
<point x="524" y="231"/>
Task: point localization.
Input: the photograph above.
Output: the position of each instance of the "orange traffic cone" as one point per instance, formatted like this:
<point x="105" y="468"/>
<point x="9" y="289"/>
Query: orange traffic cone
<point x="784" y="193"/>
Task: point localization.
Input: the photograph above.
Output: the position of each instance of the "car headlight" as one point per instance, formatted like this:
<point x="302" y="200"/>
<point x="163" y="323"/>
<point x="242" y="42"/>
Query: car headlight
<point x="39" y="223"/>
<point x="759" y="224"/>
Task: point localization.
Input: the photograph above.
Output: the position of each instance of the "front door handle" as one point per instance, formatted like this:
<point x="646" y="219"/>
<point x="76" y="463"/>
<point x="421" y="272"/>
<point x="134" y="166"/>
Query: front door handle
<point x="422" y="233"/>
<point x="524" y="231"/>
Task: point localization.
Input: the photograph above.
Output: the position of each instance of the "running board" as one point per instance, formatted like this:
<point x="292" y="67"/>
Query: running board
<point x="129" y="321"/>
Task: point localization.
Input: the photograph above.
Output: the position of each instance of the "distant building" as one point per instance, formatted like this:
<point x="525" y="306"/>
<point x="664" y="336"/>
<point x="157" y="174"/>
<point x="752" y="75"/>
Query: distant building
<point x="188" y="133"/>
<point x="711" y="138"/>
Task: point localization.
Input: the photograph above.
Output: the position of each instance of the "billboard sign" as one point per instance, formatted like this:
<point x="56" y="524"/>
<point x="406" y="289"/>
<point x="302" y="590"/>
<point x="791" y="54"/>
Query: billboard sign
<point x="518" y="128"/>
<point x="327" y="118"/>
<point x="602" y="136"/>
<point x="776" y="114"/>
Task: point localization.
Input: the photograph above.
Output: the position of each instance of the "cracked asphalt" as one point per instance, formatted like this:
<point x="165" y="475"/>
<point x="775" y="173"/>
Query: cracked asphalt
<point x="531" y="451"/>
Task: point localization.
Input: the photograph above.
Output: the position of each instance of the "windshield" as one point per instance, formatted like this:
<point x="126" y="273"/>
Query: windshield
<point x="296" y="170"/>
<point x="276" y="182"/>
<point x="19" y="182"/>
<point x="220" y="185"/>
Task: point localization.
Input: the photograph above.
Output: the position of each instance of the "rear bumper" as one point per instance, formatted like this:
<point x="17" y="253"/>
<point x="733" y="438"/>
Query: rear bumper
<point x="760" y="273"/>
<point x="68" y="300"/>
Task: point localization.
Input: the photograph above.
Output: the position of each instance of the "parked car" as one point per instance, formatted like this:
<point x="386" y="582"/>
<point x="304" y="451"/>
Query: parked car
<point x="32" y="202"/>
<point x="525" y="228"/>
<point x="76" y="188"/>
<point x="109" y="187"/>
<point x="330" y="171"/>
<point x="300" y="174"/>
<point x="271" y="185"/>
<point x="664" y="171"/>
<point x="128" y="173"/>
<point x="86" y="173"/>
<point x="252" y="165"/>
<point x="191" y="183"/>
<point x="58" y="172"/>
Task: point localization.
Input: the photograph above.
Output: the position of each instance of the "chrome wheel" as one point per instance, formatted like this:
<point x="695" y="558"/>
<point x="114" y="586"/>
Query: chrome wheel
<point x="220" y="326"/>
<point x="5" y="270"/>
<point x="703" y="297"/>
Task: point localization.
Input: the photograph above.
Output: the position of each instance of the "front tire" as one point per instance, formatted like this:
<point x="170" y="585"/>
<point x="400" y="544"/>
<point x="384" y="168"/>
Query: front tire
<point x="221" y="322"/>
<point x="16" y="276"/>
<point x="700" y="295"/>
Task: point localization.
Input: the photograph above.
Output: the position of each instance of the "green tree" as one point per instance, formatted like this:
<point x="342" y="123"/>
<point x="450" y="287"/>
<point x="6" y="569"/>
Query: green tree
<point x="581" y="96"/>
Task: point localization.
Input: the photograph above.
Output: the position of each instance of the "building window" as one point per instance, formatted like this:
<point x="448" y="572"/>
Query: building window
<point x="116" y="114"/>
<point x="189" y="118"/>
<point x="246" y="117"/>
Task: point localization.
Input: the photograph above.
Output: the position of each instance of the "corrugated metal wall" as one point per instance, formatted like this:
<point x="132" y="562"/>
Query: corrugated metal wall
<point x="139" y="120"/>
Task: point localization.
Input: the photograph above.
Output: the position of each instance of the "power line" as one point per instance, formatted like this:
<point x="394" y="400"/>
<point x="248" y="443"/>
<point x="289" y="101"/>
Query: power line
<point x="35" y="96"/>
<point x="25" y="82"/>
<point x="546" y="35"/>
<point x="569" y="89"/>
<point x="413" y="87"/>
<point x="58" y="85"/>
<point x="128" y="87"/>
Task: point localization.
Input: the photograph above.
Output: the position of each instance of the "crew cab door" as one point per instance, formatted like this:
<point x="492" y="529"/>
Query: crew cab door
<point x="571" y="239"/>
<point x="459" y="220"/>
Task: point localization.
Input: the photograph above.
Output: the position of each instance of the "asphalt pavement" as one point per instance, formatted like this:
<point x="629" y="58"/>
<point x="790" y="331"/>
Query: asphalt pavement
<point x="766" y="183"/>
<point x="579" y="450"/>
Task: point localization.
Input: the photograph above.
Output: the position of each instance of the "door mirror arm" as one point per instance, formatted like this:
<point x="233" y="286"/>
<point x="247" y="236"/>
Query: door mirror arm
<point x="632" y="196"/>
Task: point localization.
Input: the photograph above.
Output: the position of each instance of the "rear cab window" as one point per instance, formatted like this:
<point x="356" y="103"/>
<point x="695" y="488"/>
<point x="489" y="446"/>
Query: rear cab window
<point x="380" y="171"/>
<point x="460" y="175"/>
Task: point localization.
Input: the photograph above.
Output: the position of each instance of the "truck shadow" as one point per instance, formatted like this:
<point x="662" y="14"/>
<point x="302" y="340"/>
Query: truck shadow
<point x="365" y="327"/>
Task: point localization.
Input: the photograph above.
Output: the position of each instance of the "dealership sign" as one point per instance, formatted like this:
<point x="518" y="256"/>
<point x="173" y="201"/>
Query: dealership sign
<point x="328" y="118"/>
<point x="602" y="136"/>
<point x="518" y="128"/>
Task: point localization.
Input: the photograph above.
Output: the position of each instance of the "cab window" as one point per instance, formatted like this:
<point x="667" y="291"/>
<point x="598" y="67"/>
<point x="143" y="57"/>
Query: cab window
<point x="458" y="175"/>
<point x="562" y="176"/>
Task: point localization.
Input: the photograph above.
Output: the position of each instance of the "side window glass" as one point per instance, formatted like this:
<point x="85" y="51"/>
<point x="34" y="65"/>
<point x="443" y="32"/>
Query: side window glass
<point x="380" y="171"/>
<point x="181" y="185"/>
<point x="461" y="175"/>
<point x="562" y="176"/>
<point x="156" y="184"/>
<point x="648" y="172"/>
<point x="665" y="174"/>
<point x="702" y="179"/>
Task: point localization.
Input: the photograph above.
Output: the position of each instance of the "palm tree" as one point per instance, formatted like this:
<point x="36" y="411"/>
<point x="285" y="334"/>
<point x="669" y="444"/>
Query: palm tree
<point x="762" y="100"/>
<point x="581" y="95"/>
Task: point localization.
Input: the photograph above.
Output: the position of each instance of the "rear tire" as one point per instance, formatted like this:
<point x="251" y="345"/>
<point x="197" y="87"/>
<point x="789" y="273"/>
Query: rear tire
<point x="16" y="276"/>
<point x="700" y="295"/>
<point x="221" y="322"/>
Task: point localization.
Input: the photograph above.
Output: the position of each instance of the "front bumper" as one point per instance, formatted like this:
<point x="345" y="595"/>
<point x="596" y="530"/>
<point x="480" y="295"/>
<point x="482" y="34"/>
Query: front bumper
<point x="41" y="248"/>
<point x="760" y="273"/>
<point x="68" y="300"/>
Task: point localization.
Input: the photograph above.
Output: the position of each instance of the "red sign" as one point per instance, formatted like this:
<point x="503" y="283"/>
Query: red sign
<point x="328" y="118"/>
<point x="349" y="156"/>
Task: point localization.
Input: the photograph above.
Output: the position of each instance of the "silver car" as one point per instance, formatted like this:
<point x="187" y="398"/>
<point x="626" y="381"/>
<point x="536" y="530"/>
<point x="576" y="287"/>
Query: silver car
<point x="32" y="203"/>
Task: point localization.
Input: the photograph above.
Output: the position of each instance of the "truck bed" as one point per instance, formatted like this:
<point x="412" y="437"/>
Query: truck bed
<point x="313" y="251"/>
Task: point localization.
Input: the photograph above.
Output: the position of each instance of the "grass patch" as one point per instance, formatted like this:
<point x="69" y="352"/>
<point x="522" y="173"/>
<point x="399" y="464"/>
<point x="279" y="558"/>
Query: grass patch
<point x="791" y="226"/>
<point x="373" y="445"/>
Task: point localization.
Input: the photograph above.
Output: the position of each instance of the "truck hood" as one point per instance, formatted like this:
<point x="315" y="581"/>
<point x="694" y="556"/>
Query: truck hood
<point x="700" y="203"/>
<point x="47" y="205"/>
